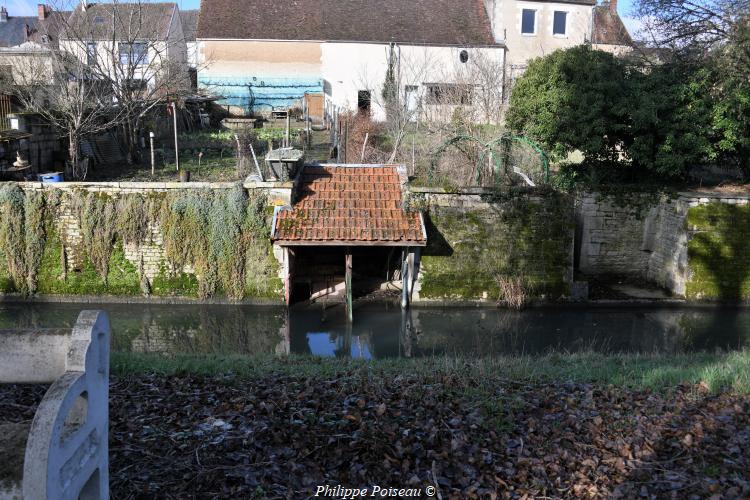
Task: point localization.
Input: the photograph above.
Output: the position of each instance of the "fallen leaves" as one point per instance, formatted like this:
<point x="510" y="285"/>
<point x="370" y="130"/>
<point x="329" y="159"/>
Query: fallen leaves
<point x="279" y="437"/>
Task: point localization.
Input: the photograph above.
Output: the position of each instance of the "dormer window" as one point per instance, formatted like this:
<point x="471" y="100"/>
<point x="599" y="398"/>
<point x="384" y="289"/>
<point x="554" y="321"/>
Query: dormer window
<point x="559" y="23"/>
<point x="528" y="22"/>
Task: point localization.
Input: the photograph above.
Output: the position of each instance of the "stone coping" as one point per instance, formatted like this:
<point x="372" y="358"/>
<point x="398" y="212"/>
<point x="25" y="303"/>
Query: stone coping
<point x="126" y="299"/>
<point x="458" y="191"/>
<point x="154" y="185"/>
<point x="716" y="196"/>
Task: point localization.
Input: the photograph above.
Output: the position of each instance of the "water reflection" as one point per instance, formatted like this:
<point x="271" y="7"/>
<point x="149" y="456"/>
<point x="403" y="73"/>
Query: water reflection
<point x="384" y="330"/>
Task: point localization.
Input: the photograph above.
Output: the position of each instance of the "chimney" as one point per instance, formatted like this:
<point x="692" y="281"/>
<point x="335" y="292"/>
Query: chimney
<point x="26" y="31"/>
<point x="613" y="6"/>
<point x="3" y="15"/>
<point x="42" y="11"/>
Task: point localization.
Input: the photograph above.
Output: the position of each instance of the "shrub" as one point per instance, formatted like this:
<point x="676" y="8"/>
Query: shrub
<point x="574" y="99"/>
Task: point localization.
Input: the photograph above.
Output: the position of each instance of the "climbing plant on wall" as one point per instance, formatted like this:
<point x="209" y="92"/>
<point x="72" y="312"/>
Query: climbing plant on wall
<point x="211" y="238"/>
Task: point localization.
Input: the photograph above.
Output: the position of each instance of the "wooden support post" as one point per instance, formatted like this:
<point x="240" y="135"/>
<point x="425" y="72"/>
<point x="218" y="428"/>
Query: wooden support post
<point x="348" y="285"/>
<point x="153" y="160"/>
<point x="405" y="279"/>
<point x="287" y="276"/>
<point x="176" y="146"/>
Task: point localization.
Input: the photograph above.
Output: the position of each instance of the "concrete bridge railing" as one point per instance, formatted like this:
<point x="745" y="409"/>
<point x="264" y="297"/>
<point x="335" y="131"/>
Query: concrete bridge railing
<point x="65" y="454"/>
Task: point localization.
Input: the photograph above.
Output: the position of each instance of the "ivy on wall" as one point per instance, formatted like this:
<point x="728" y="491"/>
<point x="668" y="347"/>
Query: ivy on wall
<point x="215" y="243"/>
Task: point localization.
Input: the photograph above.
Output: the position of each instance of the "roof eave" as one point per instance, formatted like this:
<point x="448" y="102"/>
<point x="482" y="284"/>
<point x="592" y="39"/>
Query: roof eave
<point x="349" y="243"/>
<point x="492" y="45"/>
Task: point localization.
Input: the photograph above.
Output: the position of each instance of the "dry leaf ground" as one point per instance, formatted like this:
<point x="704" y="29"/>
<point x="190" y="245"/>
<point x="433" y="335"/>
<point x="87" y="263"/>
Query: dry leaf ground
<point x="279" y="435"/>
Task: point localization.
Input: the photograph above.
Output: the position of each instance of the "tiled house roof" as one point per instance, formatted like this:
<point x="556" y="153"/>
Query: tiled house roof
<point x="349" y="205"/>
<point x="13" y="29"/>
<point x="128" y="21"/>
<point x="609" y="28"/>
<point x="439" y="22"/>
<point x="189" y="20"/>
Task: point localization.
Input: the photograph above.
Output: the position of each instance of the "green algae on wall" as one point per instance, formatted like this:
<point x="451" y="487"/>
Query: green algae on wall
<point x="227" y="243"/>
<point x="469" y="249"/>
<point x="718" y="254"/>
<point x="122" y="276"/>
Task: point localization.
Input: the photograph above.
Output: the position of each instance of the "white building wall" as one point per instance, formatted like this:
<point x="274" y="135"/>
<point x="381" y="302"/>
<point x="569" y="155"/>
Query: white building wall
<point x="505" y="16"/>
<point x="348" y="68"/>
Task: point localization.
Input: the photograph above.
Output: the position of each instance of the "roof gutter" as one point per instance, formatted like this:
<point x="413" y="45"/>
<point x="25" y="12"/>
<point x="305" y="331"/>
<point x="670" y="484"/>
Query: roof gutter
<point x="495" y="45"/>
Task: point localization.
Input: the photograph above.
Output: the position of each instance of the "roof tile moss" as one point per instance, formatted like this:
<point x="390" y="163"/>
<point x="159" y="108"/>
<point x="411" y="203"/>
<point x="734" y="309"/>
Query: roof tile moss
<point x="349" y="204"/>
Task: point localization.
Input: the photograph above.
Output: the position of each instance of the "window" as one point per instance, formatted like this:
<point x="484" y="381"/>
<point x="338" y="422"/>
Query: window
<point x="91" y="53"/>
<point x="528" y="22"/>
<point x="448" y="93"/>
<point x="463" y="56"/>
<point x="558" y="23"/>
<point x="135" y="53"/>
<point x="411" y="101"/>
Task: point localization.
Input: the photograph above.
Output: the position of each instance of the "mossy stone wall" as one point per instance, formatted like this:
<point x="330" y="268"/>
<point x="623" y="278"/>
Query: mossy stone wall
<point x="719" y="251"/>
<point x="692" y="244"/>
<point x="476" y="238"/>
<point x="231" y="247"/>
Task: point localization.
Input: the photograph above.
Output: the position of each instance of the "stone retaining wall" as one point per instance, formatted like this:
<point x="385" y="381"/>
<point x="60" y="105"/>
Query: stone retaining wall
<point x="649" y="239"/>
<point x="146" y="257"/>
<point x="476" y="238"/>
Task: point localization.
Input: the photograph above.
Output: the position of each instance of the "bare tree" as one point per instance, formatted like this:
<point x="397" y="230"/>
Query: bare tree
<point x="137" y="50"/>
<point x="61" y="89"/>
<point x="698" y="26"/>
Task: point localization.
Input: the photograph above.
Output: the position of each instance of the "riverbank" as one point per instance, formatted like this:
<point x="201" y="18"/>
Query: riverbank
<point x="558" y="426"/>
<point x="713" y="372"/>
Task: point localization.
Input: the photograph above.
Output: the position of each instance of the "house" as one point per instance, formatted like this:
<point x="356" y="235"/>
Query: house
<point x="138" y="42"/>
<point x="189" y="20"/>
<point x="438" y="53"/>
<point x="534" y="28"/>
<point x="268" y="56"/>
<point x="609" y="33"/>
<point x="26" y="43"/>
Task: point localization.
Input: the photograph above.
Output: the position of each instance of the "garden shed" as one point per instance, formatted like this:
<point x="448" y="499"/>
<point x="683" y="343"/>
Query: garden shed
<point x="346" y="222"/>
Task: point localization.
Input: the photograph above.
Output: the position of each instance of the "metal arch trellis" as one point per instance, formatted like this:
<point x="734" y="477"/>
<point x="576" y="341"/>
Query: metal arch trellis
<point x="444" y="146"/>
<point x="488" y="149"/>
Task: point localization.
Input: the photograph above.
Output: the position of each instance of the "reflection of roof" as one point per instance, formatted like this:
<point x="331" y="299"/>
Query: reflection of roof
<point x="441" y="22"/>
<point x="189" y="20"/>
<point x="129" y="21"/>
<point x="609" y="28"/>
<point x="349" y="205"/>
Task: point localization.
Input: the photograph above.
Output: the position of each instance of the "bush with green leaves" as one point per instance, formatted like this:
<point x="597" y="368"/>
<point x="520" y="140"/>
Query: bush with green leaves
<point x="656" y="119"/>
<point x="574" y="99"/>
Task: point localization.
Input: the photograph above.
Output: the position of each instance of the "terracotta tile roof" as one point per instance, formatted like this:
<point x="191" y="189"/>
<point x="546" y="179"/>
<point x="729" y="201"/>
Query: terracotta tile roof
<point x="609" y="28"/>
<point x="352" y="205"/>
<point x="439" y="22"/>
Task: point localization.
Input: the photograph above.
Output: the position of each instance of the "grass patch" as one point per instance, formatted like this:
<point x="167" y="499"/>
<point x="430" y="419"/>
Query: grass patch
<point x="717" y="372"/>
